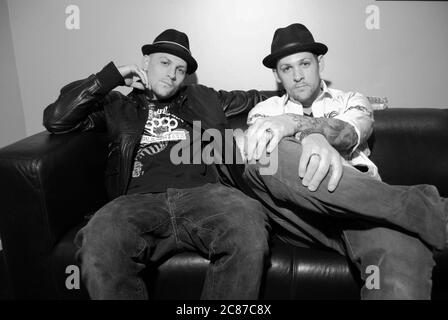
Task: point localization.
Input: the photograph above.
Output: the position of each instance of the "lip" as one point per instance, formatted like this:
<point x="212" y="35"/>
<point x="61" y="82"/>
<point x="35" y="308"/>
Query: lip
<point x="301" y="86"/>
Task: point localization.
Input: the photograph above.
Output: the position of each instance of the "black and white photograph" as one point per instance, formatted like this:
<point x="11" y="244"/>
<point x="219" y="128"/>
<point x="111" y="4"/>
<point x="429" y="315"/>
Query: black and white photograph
<point x="224" y="156"/>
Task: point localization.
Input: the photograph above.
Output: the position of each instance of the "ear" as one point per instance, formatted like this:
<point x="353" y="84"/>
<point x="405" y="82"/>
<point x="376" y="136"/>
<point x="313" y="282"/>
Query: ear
<point x="145" y="62"/>
<point x="321" y="62"/>
<point x="277" y="78"/>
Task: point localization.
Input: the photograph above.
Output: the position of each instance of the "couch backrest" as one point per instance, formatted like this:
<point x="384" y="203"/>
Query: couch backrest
<point x="410" y="146"/>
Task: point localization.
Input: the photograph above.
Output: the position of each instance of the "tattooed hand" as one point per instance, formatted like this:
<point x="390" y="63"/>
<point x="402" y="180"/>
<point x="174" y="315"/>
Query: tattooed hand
<point x="266" y="133"/>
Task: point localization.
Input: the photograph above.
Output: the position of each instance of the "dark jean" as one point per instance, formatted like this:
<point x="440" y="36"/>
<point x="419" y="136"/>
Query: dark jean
<point x="220" y="222"/>
<point x="394" y="228"/>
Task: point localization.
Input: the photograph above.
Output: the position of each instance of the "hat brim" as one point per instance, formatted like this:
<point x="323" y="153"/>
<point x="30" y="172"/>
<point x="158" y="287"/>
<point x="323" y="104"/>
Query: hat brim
<point x="192" y="65"/>
<point x="271" y="60"/>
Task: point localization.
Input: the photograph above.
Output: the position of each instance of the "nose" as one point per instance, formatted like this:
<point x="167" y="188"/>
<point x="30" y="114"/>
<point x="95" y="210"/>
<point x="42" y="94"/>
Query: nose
<point x="298" y="75"/>
<point x="172" y="74"/>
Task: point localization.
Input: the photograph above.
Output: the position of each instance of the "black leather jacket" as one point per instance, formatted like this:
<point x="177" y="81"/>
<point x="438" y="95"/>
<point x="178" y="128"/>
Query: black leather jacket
<point x="89" y="104"/>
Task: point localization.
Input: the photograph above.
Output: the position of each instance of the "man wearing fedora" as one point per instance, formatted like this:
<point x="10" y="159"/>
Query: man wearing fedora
<point x="158" y="208"/>
<point x="392" y="229"/>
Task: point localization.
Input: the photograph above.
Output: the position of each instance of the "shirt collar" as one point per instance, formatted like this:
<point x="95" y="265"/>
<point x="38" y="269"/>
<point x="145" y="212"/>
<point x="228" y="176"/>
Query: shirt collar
<point x="325" y="90"/>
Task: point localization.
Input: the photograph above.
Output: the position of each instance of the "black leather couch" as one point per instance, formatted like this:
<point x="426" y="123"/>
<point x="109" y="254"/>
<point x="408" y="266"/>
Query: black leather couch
<point x="48" y="184"/>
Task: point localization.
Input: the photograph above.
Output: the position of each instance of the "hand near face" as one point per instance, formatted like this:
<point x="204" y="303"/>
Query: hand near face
<point x="318" y="159"/>
<point x="134" y="76"/>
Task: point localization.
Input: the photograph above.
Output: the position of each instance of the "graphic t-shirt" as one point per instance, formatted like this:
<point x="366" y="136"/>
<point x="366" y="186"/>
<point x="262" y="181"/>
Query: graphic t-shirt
<point x="154" y="170"/>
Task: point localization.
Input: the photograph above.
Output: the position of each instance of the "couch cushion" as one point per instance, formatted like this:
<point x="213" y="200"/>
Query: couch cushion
<point x="294" y="272"/>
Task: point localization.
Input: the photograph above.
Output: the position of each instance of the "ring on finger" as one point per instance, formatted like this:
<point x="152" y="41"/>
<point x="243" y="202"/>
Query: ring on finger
<point x="268" y="132"/>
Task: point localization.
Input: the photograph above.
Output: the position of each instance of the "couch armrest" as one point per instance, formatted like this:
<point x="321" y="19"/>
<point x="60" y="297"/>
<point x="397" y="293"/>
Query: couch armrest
<point x="47" y="184"/>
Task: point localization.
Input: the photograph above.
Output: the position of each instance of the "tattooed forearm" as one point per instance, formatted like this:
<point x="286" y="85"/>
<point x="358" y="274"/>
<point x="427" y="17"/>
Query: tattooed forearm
<point x="340" y="134"/>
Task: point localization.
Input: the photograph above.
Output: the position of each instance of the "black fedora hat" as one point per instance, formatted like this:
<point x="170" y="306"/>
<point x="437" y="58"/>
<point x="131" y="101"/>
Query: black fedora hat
<point x="292" y="39"/>
<point x="173" y="42"/>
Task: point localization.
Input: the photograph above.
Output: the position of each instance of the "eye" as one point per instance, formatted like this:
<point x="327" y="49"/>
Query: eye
<point x="305" y="64"/>
<point x="286" y="69"/>
<point x="164" y="62"/>
<point x="181" y="71"/>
